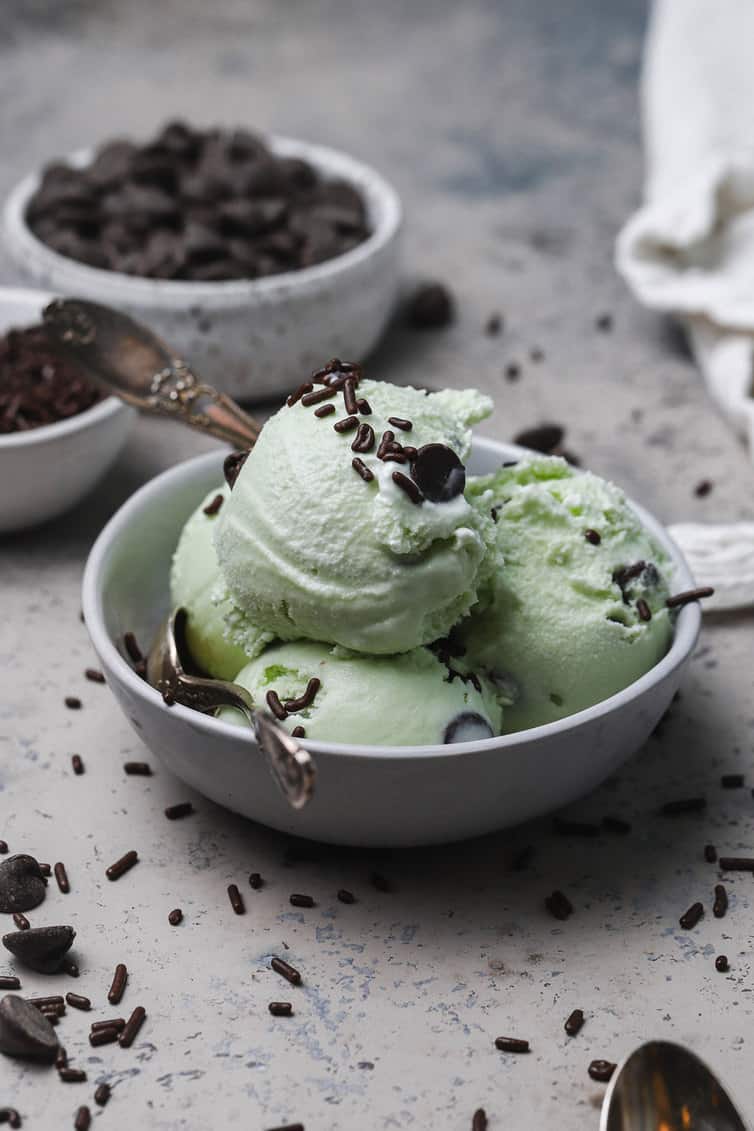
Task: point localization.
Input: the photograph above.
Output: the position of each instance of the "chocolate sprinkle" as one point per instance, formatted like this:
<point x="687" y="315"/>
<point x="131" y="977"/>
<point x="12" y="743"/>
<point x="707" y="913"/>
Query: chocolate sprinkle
<point x="116" y="1023"/>
<point x="345" y="896"/>
<point x="123" y="865"/>
<point x="306" y="387"/>
<point x="543" y="438"/>
<point x="593" y="536"/>
<point x="72" y="1075"/>
<point x="175" y="917"/>
<point x="255" y="881"/>
<point x="280" y="1008"/>
<point x="78" y="1001"/>
<point x="62" y="878"/>
<point x="479" y="1120"/>
<point x="213" y="507"/>
<point x="364" y="441"/>
<point x="106" y="1035"/>
<point x="559" y="905"/>
<point x="277" y="708"/>
<point x="134" y="1023"/>
<point x="720" y="906"/>
<point x="73" y="703"/>
<point x="688" y="596"/>
<point x="298" y="732"/>
<point x="408" y="487"/>
<point x="305" y="700"/>
<point x="347" y="424"/>
<point x="3" y="847"/>
<point x="690" y="918"/>
<point x="324" y="394"/>
<point x="83" y="1119"/>
<point x="721" y="964"/>
<point x="120" y="978"/>
<point x="297" y="900"/>
<point x="361" y="469"/>
<point x="737" y="864"/>
<point x="643" y="609"/>
<point x="601" y="1070"/>
<point x="232" y="467"/>
<point x="102" y="1094"/>
<point x="349" y="396"/>
<point x="10" y="1116"/>
<point x="386" y="442"/>
<point x="399" y="422"/>
<point x="290" y="973"/>
<point x="77" y="764"/>
<point x="574" y="1023"/>
<point x="511" y="1044"/>
<point x="364" y="406"/>
<point x="94" y="675"/>
<point x="21" y="921"/>
<point x="182" y="809"/>
<point x="9" y="982"/>
<point x="236" y="900"/>
<point x="325" y="410"/>
<point x="141" y="769"/>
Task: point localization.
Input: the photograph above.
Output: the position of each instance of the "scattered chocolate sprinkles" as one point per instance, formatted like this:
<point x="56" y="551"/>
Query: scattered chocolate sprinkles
<point x="70" y="968"/>
<point x="720" y="906"/>
<point x="182" y="809"/>
<point x="277" y="708"/>
<point x="61" y="1058"/>
<point x="123" y="865"/>
<point x="574" y="1022"/>
<point x="690" y="918"/>
<point x="255" y="881"/>
<point x="386" y="442"/>
<point x="78" y="1001"/>
<point x="688" y="596"/>
<point x="72" y="1075"/>
<point x="52" y="1001"/>
<point x="142" y="769"/>
<point x="601" y="1070"/>
<point x="737" y="863"/>
<point x="593" y="536"/>
<point x="479" y="1120"/>
<point x="290" y="973"/>
<point x="94" y="675"/>
<point x="280" y="1008"/>
<point x="9" y="982"/>
<point x="45" y="869"/>
<point x="298" y="900"/>
<point x="77" y="764"/>
<point x="107" y="1035"/>
<point x="559" y="905"/>
<point x="116" y="1023"/>
<point x="102" y="1094"/>
<point x="349" y="396"/>
<point x="643" y="609"/>
<point x="399" y="422"/>
<point x="325" y="410"/>
<point x="364" y="406"/>
<point x="305" y="700"/>
<point x="345" y="896"/>
<point x="120" y="977"/>
<point x="21" y="921"/>
<point x="73" y="703"/>
<point x="684" y="805"/>
<point x="298" y="732"/>
<point x="347" y="424"/>
<point x="732" y="781"/>
<point x="236" y="900"/>
<point x="62" y="877"/>
<point x="306" y="387"/>
<point x="511" y="1044"/>
<point x="703" y="488"/>
<point x="134" y="1023"/>
<point x="408" y="486"/>
<point x="175" y="917"/>
<point x="364" y="441"/>
<point x="361" y="469"/>
<point x="83" y="1119"/>
<point x="213" y="507"/>
<point x="721" y="964"/>
<point x="324" y="394"/>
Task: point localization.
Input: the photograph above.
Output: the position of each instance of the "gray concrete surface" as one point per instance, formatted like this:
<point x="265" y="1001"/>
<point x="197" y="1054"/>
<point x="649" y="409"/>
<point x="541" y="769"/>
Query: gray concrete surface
<point x="510" y="129"/>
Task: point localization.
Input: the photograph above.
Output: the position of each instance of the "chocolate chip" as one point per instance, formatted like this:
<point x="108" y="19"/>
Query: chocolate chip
<point x="468" y="726"/>
<point x="439" y="473"/>
<point x="25" y="1031"/>
<point x="544" y="438"/>
<point x="22" y="885"/>
<point x="430" y="307"/>
<point x="41" y="948"/>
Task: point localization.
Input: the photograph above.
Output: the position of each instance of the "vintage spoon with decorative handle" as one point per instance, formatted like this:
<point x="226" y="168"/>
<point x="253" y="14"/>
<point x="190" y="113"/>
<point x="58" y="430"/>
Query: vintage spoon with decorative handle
<point x="664" y="1087"/>
<point x="292" y="767"/>
<point x="125" y="358"/>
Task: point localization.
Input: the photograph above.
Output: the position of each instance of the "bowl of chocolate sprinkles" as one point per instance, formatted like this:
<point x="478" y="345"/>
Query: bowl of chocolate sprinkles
<point x="58" y="434"/>
<point x="255" y="256"/>
<point x="365" y="794"/>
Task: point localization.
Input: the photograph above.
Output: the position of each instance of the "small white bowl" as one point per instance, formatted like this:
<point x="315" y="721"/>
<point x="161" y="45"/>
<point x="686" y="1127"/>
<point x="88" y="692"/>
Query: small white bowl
<point x="402" y="795"/>
<point x="256" y="337"/>
<point x="46" y="470"/>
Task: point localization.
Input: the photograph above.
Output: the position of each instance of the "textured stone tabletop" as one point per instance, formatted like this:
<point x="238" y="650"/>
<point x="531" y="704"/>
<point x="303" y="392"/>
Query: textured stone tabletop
<point x="510" y="129"/>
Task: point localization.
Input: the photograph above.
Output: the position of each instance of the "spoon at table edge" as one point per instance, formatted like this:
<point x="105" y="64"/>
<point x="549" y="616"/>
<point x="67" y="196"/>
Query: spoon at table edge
<point x="125" y="358"/>
<point x="292" y="767"/>
<point x="662" y="1086"/>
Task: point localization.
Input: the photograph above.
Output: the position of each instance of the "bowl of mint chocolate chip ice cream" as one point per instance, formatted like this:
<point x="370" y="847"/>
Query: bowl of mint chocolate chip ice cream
<point x="463" y="634"/>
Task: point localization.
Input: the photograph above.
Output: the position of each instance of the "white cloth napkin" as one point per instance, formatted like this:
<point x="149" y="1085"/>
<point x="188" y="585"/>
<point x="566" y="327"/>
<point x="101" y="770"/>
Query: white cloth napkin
<point x="689" y="251"/>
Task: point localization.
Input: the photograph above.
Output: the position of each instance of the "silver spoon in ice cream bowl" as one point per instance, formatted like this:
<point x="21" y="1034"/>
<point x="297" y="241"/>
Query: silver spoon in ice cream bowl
<point x="127" y="359"/>
<point x="292" y="767"/>
<point x="124" y="357"/>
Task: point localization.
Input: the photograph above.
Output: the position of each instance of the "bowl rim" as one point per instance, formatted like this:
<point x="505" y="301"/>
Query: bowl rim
<point x="90" y="417"/>
<point x="176" y="293"/>
<point x="685" y="635"/>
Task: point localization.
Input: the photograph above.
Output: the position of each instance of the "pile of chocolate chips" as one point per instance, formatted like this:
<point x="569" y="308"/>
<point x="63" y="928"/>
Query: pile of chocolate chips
<point x="200" y="205"/>
<point x="36" y="387"/>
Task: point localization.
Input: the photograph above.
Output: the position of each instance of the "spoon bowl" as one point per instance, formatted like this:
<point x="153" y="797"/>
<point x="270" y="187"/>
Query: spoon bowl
<point x="662" y="1086"/>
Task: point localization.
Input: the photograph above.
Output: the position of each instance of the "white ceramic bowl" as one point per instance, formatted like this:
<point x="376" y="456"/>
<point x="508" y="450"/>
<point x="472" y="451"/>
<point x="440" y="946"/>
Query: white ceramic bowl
<point x="251" y="338"/>
<point x="46" y="470"/>
<point x="364" y="794"/>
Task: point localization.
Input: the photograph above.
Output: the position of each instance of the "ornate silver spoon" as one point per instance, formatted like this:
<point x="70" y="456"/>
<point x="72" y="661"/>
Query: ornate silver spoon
<point x="292" y="766"/>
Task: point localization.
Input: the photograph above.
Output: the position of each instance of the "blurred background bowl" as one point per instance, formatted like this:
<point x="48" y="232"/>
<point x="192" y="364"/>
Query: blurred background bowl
<point x="252" y="338"/>
<point x="44" y="471"/>
<point x="364" y="795"/>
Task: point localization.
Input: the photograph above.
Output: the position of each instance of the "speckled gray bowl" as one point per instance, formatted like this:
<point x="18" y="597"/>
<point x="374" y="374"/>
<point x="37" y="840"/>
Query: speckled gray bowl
<point x="251" y="338"/>
<point x="364" y="794"/>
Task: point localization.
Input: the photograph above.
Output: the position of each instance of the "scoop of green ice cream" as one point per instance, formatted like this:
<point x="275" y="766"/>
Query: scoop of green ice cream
<point x="197" y="585"/>
<point x="309" y="548"/>
<point x="576" y="608"/>
<point x="404" y="700"/>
